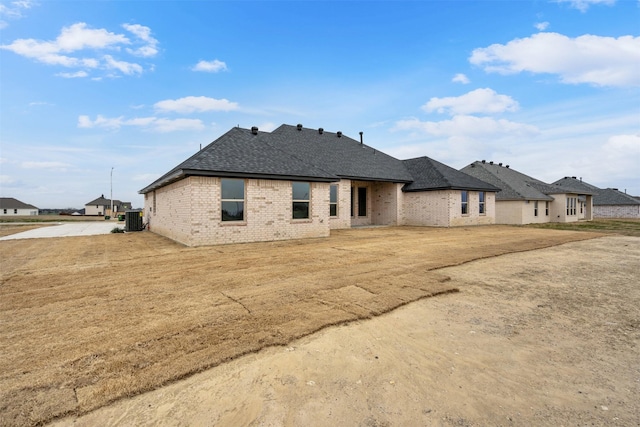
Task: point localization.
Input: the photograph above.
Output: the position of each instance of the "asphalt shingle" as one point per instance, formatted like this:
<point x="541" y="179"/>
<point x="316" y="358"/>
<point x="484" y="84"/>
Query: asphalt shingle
<point x="429" y="174"/>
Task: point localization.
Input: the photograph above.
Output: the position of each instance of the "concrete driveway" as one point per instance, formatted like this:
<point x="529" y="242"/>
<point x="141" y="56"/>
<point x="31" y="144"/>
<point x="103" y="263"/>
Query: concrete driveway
<point x="67" y="229"/>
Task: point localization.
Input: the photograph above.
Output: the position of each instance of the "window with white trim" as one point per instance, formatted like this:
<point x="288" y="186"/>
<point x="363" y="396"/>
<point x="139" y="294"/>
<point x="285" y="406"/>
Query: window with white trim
<point x="301" y="192"/>
<point x="232" y="200"/>
<point x="333" y="200"/>
<point x="464" y="197"/>
<point x="481" y="203"/>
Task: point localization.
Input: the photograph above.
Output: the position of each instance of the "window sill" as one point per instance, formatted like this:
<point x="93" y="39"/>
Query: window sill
<point x="233" y="223"/>
<point x="301" y="221"/>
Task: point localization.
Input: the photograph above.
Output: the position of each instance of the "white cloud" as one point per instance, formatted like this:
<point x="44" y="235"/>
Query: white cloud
<point x="467" y="126"/>
<point x="13" y="11"/>
<point x="167" y="125"/>
<point x="583" y="5"/>
<point x="144" y="34"/>
<point x="192" y="104"/>
<point x="77" y="74"/>
<point x="100" y="121"/>
<point x="78" y="37"/>
<point x="601" y="61"/>
<point x="124" y="67"/>
<point x="460" y="78"/>
<point x="541" y="26"/>
<point x="154" y="124"/>
<point x="210" y="66"/>
<point x="6" y="179"/>
<point x="484" y="101"/>
<point x="57" y="166"/>
<point x="78" y="46"/>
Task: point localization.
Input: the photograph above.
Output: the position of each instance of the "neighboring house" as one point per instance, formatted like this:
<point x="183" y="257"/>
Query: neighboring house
<point x="13" y="207"/>
<point x="607" y="202"/>
<point x="102" y="206"/>
<point x="295" y="182"/>
<point x="526" y="200"/>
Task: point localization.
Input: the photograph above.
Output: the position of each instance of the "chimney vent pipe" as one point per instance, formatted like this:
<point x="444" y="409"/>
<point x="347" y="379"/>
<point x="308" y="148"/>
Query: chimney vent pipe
<point x="361" y="141"/>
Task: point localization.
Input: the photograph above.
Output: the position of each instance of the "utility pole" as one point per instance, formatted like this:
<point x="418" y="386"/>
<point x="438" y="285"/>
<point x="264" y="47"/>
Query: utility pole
<point x="111" y="191"/>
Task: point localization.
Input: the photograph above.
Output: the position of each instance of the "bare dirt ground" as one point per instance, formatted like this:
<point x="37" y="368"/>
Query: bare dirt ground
<point x="551" y="340"/>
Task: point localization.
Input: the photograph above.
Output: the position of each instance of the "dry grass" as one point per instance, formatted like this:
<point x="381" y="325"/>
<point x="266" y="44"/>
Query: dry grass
<point x="88" y="320"/>
<point x="622" y="226"/>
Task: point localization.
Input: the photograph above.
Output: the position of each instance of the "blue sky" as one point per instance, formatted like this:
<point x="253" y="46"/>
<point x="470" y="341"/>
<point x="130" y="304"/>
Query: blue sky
<point x="551" y="88"/>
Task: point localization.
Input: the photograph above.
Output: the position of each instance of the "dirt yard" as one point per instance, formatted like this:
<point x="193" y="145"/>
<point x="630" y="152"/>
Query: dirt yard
<point x="542" y="337"/>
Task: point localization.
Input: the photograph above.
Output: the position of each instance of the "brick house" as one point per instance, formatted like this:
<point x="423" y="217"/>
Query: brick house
<point x="526" y="200"/>
<point x="102" y="206"/>
<point x="607" y="202"/>
<point x="295" y="182"/>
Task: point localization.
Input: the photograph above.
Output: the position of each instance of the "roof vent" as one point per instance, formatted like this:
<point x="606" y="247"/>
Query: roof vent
<point x="573" y="177"/>
<point x="320" y="130"/>
<point x="484" y="161"/>
<point x="254" y="130"/>
<point x="339" y="134"/>
<point x="361" y="142"/>
<point x="491" y="162"/>
<point x="499" y="164"/>
<point x="507" y="166"/>
<point x="299" y="126"/>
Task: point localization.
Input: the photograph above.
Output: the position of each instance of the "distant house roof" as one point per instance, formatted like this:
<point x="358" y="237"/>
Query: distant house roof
<point x="601" y="196"/>
<point x="102" y="201"/>
<point x="11" y="203"/>
<point x="515" y="185"/>
<point x="430" y="174"/>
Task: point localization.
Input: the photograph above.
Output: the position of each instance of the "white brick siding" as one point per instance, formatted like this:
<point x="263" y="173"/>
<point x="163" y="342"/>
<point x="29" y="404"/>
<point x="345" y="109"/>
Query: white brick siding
<point x="189" y="211"/>
<point x="610" y="211"/>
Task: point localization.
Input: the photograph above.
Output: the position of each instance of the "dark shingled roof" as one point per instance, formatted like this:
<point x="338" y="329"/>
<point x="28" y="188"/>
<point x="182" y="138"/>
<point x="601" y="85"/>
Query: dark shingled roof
<point x="601" y="196"/>
<point x="342" y="156"/>
<point x="11" y="203"/>
<point x="430" y="174"/>
<point x="298" y="153"/>
<point x="102" y="201"/>
<point x="515" y="185"/>
<point x="239" y="153"/>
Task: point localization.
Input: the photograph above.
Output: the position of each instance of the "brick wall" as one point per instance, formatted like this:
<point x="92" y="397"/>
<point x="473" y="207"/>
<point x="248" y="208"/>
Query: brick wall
<point x="385" y="203"/>
<point x="610" y="211"/>
<point x="343" y="220"/>
<point x="443" y="208"/>
<point x="189" y="211"/>
<point x="430" y="208"/>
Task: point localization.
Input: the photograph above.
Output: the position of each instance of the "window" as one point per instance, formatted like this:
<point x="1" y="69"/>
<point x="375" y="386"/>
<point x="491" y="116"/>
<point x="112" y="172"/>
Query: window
<point x="353" y="201"/>
<point x="535" y="208"/>
<point x="333" y="200"/>
<point x="15" y="211"/>
<point x="301" y="191"/>
<point x="546" y="208"/>
<point x="362" y="201"/>
<point x="5" y="211"/>
<point x="232" y="200"/>
<point x="571" y="205"/>
<point x="464" y="195"/>
<point x="481" y="202"/>
<point x="154" y="202"/>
